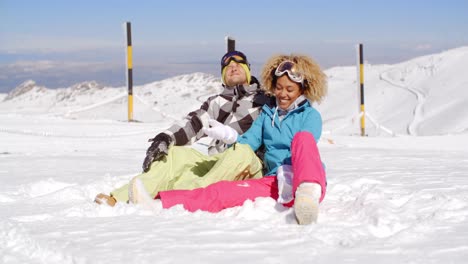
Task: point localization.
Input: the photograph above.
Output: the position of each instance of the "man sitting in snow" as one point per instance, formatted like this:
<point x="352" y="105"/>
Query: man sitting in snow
<point x="168" y="166"/>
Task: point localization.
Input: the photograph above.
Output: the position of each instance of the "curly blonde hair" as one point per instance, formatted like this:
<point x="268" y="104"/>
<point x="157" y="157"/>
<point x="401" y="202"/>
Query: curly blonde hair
<point x="315" y="81"/>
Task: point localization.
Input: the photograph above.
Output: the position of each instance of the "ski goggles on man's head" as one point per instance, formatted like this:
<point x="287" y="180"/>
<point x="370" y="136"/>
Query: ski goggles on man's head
<point x="289" y="67"/>
<point x="236" y="56"/>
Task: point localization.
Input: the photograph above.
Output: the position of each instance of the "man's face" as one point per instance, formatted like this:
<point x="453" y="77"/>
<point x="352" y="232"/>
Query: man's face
<point x="235" y="74"/>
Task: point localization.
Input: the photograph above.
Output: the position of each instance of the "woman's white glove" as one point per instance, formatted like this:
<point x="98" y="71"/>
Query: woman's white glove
<point x="221" y="132"/>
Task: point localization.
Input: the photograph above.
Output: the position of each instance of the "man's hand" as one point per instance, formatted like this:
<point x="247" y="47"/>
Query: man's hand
<point x="157" y="150"/>
<point x="221" y="132"/>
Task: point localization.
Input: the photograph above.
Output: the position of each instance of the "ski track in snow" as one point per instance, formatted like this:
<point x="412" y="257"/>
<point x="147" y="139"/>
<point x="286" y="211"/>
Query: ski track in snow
<point x="420" y="97"/>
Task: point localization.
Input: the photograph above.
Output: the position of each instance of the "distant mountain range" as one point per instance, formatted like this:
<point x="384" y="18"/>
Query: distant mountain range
<point x="424" y="96"/>
<point x="169" y="98"/>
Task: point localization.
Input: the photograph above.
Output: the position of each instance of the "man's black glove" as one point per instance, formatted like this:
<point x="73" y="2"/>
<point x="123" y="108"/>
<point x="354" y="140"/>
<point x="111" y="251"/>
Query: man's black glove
<point x="157" y="150"/>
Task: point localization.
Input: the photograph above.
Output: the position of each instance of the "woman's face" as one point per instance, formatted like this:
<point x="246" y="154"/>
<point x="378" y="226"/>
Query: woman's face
<point x="286" y="91"/>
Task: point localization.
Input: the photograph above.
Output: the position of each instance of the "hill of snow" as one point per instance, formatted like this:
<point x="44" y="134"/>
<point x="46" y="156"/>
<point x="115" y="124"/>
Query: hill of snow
<point x="423" y="96"/>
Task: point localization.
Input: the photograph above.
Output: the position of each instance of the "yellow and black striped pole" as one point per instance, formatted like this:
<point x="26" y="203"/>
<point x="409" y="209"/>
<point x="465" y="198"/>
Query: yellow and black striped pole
<point x="129" y="71"/>
<point x="361" y="88"/>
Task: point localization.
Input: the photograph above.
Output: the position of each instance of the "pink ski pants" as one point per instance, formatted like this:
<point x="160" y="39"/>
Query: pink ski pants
<point x="307" y="167"/>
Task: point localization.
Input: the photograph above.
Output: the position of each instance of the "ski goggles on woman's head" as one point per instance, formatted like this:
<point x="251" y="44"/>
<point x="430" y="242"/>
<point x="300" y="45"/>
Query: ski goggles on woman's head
<point x="289" y="67"/>
<point x="236" y="56"/>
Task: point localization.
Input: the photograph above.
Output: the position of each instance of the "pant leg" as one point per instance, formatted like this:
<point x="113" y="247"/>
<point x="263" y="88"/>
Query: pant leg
<point x="165" y="173"/>
<point x="221" y="195"/>
<point x="236" y="163"/>
<point x="306" y="162"/>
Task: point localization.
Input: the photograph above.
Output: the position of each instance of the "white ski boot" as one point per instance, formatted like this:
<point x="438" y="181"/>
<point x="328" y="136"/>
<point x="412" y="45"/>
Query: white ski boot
<point x="137" y="194"/>
<point x="307" y="202"/>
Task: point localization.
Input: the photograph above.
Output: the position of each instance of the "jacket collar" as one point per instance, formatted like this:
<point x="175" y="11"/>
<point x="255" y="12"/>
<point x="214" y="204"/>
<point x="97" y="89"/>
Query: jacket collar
<point x="300" y="103"/>
<point x="297" y="104"/>
<point x="239" y="91"/>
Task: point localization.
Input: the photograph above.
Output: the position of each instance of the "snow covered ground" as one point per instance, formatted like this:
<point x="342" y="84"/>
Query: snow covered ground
<point x="397" y="196"/>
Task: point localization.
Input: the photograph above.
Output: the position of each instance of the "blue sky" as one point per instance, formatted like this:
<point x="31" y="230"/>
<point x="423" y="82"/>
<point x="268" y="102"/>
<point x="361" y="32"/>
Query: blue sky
<point x="58" y="43"/>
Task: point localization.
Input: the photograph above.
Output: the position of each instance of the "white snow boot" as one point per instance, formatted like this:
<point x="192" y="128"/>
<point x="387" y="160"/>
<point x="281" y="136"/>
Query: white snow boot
<point x="307" y="202"/>
<point x="137" y="194"/>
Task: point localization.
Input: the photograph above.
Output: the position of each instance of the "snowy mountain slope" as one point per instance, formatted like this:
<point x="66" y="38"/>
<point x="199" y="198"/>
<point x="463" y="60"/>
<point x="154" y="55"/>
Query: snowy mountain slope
<point x="423" y="96"/>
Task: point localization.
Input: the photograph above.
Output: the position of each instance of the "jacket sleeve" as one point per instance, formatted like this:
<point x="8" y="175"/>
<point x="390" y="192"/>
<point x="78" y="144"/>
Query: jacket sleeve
<point x="313" y="123"/>
<point x="191" y="127"/>
<point x="254" y="136"/>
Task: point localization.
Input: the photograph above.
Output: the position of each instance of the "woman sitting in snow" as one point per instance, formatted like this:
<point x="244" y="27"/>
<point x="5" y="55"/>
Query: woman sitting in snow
<point x="289" y="130"/>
